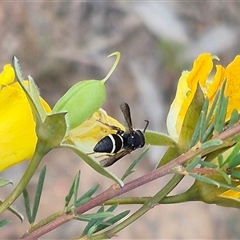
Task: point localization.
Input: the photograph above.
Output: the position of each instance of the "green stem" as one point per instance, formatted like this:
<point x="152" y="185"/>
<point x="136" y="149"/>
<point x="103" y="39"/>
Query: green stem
<point x="179" y="198"/>
<point x="37" y="157"/>
<point x="145" y="208"/>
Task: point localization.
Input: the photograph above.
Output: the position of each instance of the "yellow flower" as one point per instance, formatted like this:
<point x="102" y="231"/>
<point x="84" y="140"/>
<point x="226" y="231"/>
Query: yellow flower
<point x="17" y="127"/>
<point x="86" y="136"/>
<point x="209" y="83"/>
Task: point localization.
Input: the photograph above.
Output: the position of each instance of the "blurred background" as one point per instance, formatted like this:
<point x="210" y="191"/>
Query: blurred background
<point x="61" y="43"/>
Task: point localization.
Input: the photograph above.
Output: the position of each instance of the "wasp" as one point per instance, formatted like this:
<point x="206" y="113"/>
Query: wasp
<point x="121" y="143"/>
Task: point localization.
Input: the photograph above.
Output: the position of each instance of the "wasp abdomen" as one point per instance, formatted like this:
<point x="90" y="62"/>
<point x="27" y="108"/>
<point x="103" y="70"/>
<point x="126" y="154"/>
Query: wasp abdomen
<point x="109" y="144"/>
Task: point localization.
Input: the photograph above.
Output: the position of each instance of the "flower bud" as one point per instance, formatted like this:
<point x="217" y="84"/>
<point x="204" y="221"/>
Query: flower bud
<point x="81" y="101"/>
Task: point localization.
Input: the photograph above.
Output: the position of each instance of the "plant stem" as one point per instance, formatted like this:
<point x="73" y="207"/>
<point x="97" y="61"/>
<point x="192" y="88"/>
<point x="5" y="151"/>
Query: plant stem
<point x="40" y="152"/>
<point x="115" y="190"/>
<point x="149" y="204"/>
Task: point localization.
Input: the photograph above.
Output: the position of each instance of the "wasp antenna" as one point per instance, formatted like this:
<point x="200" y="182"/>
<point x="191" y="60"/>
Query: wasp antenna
<point x="147" y="123"/>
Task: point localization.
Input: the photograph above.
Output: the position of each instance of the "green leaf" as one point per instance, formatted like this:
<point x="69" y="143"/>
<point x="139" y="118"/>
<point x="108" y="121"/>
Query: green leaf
<point x="4" y="182"/>
<point x="208" y="132"/>
<point x="27" y="205"/>
<point x="232" y="155"/>
<point x="213" y="182"/>
<point x="71" y="191"/>
<point x="213" y="108"/>
<point x="4" y="222"/>
<point x="234" y="118"/>
<point x="95" y="165"/>
<point x="38" y="193"/>
<point x="87" y="195"/>
<point x="97" y="216"/>
<point x="190" y="121"/>
<point x="32" y="216"/>
<point x="220" y="160"/>
<point x="14" y="211"/>
<point x="134" y="163"/>
<point x="208" y="164"/>
<point x="112" y="220"/>
<point x="158" y="139"/>
<point x="193" y="163"/>
<point x="91" y="224"/>
<point x="235" y="174"/>
<point x="234" y="162"/>
<point x="212" y="143"/>
<point x="75" y="192"/>
<point x="221" y="110"/>
<point x="94" y="223"/>
<point x="197" y="134"/>
<point x="226" y="177"/>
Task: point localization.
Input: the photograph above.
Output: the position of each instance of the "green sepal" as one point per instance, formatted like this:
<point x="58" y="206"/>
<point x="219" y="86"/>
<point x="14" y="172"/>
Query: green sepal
<point x="190" y="121"/>
<point x="94" y="164"/>
<point x="52" y="131"/>
<point x="32" y="93"/>
<point x="158" y="139"/>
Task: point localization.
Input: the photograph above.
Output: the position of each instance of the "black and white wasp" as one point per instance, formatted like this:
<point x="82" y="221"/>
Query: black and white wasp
<point x="121" y="143"/>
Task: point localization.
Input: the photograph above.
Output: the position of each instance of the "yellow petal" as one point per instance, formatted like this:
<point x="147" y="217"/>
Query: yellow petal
<point x="186" y="89"/>
<point x="233" y="85"/>
<point x="173" y="122"/>
<point x="17" y="127"/>
<point x="7" y="76"/>
<point x="91" y="131"/>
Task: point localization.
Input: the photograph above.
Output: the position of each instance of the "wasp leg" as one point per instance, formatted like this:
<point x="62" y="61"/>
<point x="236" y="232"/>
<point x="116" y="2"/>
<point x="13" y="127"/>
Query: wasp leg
<point x="111" y="126"/>
<point x="106" y="162"/>
<point x="101" y="154"/>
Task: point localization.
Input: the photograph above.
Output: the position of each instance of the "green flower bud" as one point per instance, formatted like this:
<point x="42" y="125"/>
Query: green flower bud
<point x="83" y="99"/>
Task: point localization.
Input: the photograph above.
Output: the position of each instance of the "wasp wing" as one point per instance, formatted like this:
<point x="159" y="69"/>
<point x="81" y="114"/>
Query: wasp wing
<point x="114" y="158"/>
<point x="127" y="115"/>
